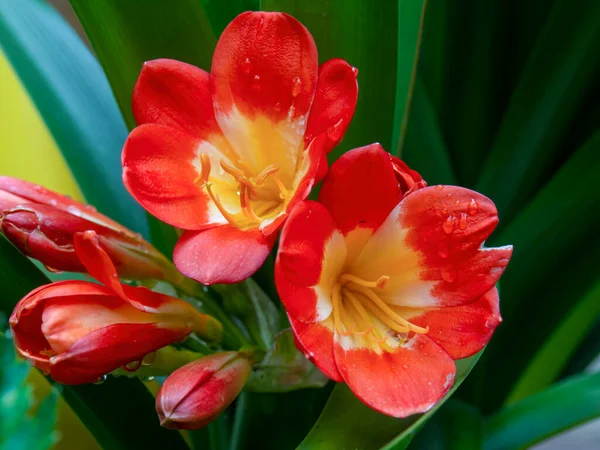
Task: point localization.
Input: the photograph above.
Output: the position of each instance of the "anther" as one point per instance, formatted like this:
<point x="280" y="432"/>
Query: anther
<point x="380" y="283"/>
<point x="205" y="170"/>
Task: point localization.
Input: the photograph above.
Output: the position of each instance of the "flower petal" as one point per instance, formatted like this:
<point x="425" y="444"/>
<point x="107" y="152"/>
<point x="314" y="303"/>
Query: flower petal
<point x="175" y="94"/>
<point x="109" y="348"/>
<point x="462" y="330"/>
<point x="431" y="248"/>
<point x="334" y="103"/>
<point x="224" y="254"/>
<point x="409" y="380"/>
<point x="311" y="255"/>
<point x="315" y="341"/>
<point x="360" y="189"/>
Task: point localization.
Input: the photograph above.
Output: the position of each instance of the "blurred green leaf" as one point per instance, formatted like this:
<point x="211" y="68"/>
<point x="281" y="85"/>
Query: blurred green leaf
<point x="69" y="89"/>
<point x="552" y="85"/>
<point x="553" y="355"/>
<point x="284" y="368"/>
<point x="20" y="426"/>
<point x="424" y="146"/>
<point x="411" y="14"/>
<point x="220" y="12"/>
<point x="364" y="428"/>
<point x="540" y="416"/>
<point x="586" y="354"/>
<point x="364" y="33"/>
<point x="119" y="413"/>
<point x="456" y="426"/>
<point x="544" y="279"/>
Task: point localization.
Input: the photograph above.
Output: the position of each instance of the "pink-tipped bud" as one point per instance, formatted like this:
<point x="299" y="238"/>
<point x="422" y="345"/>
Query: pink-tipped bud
<point x="194" y="395"/>
<point x="409" y="180"/>
<point x="42" y="224"/>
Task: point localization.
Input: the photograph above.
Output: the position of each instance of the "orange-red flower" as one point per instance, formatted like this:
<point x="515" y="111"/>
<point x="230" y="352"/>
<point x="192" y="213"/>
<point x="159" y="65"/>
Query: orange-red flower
<point x="78" y="331"/>
<point x="226" y="155"/>
<point x="195" y="394"/>
<point x="42" y="224"/>
<point x="386" y="282"/>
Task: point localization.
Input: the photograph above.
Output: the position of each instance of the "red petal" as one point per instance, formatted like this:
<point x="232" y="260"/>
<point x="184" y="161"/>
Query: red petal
<point x="408" y="381"/>
<point x="334" y="103"/>
<point x="463" y="330"/>
<point x="264" y="63"/>
<point x="175" y="94"/>
<point x="311" y="255"/>
<point x="361" y="189"/>
<point x="109" y="348"/>
<point x="224" y="254"/>
<point x="430" y="246"/>
<point x="315" y="341"/>
<point x="159" y="171"/>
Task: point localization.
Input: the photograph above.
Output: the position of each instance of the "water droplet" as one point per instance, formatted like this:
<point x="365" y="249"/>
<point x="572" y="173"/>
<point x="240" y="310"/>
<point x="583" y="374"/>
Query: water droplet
<point x="52" y="202"/>
<point x="132" y="366"/>
<point x="149" y="359"/>
<point x="473" y="207"/>
<point x="52" y="269"/>
<point x="462" y="222"/>
<point x="246" y="66"/>
<point x="91" y="208"/>
<point x="405" y="366"/>
<point x="448" y="275"/>
<point x="72" y="209"/>
<point x="449" y="224"/>
<point x="256" y="82"/>
<point x="148" y="378"/>
<point x="488" y="324"/>
<point x="448" y="195"/>
<point x="335" y="132"/>
<point x="456" y="202"/>
<point x="291" y="112"/>
<point x="101" y="380"/>
<point x="277" y="106"/>
<point x="355" y="71"/>
<point x="439" y="187"/>
<point x="443" y="250"/>
<point x="296" y="86"/>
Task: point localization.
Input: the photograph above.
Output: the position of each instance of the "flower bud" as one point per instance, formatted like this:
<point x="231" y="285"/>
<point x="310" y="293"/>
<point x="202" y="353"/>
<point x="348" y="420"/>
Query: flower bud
<point x="195" y="394"/>
<point x="408" y="179"/>
<point x="78" y="331"/>
<point x="42" y="223"/>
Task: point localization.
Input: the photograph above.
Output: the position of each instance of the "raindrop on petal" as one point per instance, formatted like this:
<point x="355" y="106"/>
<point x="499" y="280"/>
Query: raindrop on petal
<point x="101" y="380"/>
<point x="246" y="65"/>
<point x="296" y="86"/>
<point x="449" y="224"/>
<point x="473" y="207"/>
<point x="462" y="223"/>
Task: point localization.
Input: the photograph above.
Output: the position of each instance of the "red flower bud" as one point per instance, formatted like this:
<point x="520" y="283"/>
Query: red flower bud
<point x="194" y="395"/>
<point x="78" y="331"/>
<point x="408" y="179"/>
<point x="42" y="223"/>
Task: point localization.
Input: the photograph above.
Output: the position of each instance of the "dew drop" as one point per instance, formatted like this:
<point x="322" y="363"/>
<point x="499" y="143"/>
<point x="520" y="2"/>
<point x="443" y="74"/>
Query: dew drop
<point x="256" y="82"/>
<point x="52" y="269"/>
<point x="473" y="207"/>
<point x="148" y="378"/>
<point x="448" y="276"/>
<point x="72" y="209"/>
<point x="448" y="195"/>
<point x="449" y="224"/>
<point x="355" y="71"/>
<point x="457" y="203"/>
<point x="132" y="366"/>
<point x="291" y="112"/>
<point x="149" y="359"/>
<point x="439" y="187"/>
<point x="246" y="65"/>
<point x="91" y="208"/>
<point x="462" y="222"/>
<point x="101" y="380"/>
<point x="277" y="106"/>
<point x="52" y="202"/>
<point x="296" y="86"/>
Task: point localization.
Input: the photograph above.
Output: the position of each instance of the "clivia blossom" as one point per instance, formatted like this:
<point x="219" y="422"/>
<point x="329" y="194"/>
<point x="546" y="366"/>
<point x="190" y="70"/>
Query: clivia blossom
<point x="386" y="282"/>
<point x="225" y="156"/>
<point x="78" y="331"/>
<point x="43" y="223"/>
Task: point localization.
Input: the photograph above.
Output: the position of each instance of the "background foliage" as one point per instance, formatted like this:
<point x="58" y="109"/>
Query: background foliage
<point x="500" y="96"/>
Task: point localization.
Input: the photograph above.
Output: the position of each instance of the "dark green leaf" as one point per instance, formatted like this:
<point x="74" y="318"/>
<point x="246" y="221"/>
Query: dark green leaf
<point x="552" y="85"/>
<point x="364" y="428"/>
<point x="70" y="91"/>
<point x="220" y="12"/>
<point x="364" y="33"/>
<point x="540" y="416"/>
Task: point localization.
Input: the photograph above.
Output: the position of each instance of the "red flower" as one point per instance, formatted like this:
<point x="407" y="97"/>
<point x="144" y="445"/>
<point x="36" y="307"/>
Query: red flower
<point x="42" y="224"/>
<point x="226" y="155"/>
<point x="386" y="282"/>
<point x="195" y="394"/>
<point x="78" y="331"/>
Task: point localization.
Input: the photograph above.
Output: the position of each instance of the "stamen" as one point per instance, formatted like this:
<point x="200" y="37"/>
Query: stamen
<point x="215" y="198"/>
<point x="283" y="192"/>
<point x="337" y="320"/>
<point x="233" y="171"/>
<point x="389" y="311"/>
<point x="245" y="204"/>
<point x="363" y="317"/>
<point x="269" y="170"/>
<point x="205" y="172"/>
<point x="380" y="283"/>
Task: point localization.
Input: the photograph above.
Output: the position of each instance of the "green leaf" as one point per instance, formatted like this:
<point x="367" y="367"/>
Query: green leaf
<point x="410" y="27"/>
<point x="554" y="354"/>
<point x="70" y="91"/>
<point x="119" y="413"/>
<point x="364" y="33"/>
<point x="456" y="426"/>
<point x="552" y="85"/>
<point x="424" y="147"/>
<point x="544" y="279"/>
<point x="364" y="428"/>
<point x="20" y="426"/>
<point x="540" y="416"/>
<point x="284" y="368"/>
<point x="220" y="13"/>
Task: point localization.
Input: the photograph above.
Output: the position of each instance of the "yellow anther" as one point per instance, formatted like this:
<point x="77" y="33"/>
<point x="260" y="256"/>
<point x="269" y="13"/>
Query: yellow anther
<point x="233" y="171"/>
<point x="269" y="170"/>
<point x="380" y="283"/>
